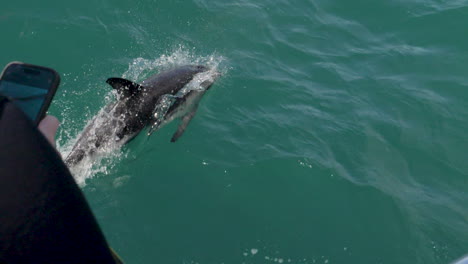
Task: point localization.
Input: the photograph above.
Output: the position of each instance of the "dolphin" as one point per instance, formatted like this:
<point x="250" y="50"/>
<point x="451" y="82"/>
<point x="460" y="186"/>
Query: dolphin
<point x="155" y="101"/>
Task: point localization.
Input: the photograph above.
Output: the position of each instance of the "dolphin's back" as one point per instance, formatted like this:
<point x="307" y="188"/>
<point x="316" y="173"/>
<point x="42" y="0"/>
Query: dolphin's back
<point x="173" y="80"/>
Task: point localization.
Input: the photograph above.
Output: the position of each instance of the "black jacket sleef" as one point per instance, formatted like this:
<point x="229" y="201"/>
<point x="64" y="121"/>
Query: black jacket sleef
<point x="44" y="217"/>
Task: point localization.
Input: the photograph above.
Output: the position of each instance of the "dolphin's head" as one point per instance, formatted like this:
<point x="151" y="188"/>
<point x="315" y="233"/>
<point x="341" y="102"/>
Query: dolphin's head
<point x="210" y="78"/>
<point x="207" y="84"/>
<point x="174" y="77"/>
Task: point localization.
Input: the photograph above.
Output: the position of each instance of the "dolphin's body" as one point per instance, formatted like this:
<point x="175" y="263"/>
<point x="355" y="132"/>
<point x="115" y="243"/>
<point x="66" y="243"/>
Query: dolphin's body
<point x="122" y="120"/>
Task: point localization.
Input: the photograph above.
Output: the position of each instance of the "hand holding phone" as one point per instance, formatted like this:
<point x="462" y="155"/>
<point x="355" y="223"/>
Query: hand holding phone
<point x="29" y="87"/>
<point x="48" y="127"/>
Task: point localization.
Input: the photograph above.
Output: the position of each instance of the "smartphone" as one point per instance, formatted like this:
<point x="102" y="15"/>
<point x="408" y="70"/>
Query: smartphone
<point x="29" y="87"/>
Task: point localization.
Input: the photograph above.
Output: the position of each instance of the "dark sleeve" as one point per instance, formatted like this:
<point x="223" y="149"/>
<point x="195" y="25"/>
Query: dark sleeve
<point x="44" y="217"/>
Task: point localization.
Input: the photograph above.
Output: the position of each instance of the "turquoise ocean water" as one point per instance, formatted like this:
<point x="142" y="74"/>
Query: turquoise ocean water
<point x="337" y="133"/>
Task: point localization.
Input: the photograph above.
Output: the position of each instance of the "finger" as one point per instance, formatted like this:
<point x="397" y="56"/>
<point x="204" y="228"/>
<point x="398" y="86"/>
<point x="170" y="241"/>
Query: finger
<point x="48" y="126"/>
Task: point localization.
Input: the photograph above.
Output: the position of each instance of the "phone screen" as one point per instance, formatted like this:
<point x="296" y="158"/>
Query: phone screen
<point x="27" y="87"/>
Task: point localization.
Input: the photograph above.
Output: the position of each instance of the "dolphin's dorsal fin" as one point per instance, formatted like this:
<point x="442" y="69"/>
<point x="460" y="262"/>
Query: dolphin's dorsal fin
<point x="124" y="86"/>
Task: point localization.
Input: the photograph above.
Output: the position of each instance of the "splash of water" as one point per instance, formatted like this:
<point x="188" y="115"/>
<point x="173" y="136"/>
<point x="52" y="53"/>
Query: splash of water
<point x="160" y="111"/>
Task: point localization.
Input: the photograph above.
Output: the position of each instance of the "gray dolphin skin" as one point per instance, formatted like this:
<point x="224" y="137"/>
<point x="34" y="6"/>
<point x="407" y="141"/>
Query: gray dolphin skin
<point x="123" y="119"/>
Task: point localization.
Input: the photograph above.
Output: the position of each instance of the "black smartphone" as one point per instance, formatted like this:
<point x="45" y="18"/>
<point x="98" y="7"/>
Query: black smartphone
<point x="30" y="87"/>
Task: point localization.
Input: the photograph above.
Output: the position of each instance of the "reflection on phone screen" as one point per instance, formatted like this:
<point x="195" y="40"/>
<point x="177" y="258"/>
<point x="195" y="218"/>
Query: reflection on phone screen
<point x="27" y="98"/>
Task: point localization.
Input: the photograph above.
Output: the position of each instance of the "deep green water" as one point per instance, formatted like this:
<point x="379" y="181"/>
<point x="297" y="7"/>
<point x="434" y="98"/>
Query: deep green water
<point x="337" y="133"/>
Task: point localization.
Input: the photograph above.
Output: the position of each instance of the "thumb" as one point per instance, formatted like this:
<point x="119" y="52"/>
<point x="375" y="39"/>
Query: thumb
<point x="48" y="126"/>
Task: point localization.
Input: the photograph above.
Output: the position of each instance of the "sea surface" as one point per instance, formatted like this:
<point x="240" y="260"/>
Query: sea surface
<point x="337" y="132"/>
